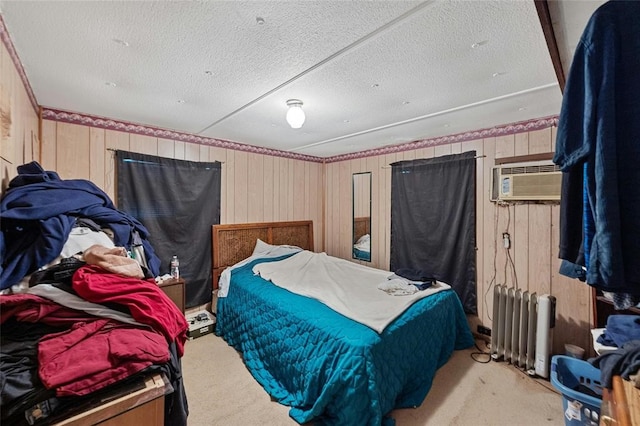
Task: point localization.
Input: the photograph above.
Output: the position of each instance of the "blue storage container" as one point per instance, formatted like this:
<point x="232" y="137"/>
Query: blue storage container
<point x="573" y="377"/>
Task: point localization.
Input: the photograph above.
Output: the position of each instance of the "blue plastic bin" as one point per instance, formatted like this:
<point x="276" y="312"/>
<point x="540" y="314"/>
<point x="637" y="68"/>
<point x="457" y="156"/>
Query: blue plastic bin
<point x="568" y="375"/>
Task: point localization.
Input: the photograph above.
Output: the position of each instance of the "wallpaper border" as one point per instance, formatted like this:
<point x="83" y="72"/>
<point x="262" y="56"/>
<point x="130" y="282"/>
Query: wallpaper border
<point x="123" y="126"/>
<point x="502" y="130"/>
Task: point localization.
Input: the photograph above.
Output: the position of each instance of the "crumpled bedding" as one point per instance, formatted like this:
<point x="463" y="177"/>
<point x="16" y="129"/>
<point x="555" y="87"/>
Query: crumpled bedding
<point x="346" y="287"/>
<point x="330" y="369"/>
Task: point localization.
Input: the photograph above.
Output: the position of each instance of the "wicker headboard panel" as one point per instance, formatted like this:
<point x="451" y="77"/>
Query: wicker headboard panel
<point x="235" y="242"/>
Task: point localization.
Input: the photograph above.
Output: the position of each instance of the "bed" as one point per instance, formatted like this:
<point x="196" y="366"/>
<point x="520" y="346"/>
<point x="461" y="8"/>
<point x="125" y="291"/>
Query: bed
<point x="328" y="368"/>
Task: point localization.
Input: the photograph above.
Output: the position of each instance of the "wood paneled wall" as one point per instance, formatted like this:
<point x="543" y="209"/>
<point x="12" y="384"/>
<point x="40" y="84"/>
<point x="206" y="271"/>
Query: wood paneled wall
<point x="18" y="121"/>
<point x="531" y="263"/>
<point x="255" y="187"/>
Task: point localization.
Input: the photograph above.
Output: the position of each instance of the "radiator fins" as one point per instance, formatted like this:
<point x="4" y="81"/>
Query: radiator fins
<point x="519" y="335"/>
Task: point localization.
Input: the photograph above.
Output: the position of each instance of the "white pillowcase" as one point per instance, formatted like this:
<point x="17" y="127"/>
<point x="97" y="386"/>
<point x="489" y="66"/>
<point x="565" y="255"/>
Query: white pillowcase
<point x="366" y="238"/>
<point x="263" y="248"/>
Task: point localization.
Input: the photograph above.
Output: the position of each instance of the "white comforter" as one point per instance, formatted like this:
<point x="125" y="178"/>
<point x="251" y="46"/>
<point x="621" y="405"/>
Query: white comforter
<point x="346" y="287"/>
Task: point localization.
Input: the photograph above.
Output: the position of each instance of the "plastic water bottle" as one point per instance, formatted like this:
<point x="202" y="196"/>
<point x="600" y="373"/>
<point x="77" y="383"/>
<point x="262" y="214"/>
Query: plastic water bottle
<point x="175" y="267"/>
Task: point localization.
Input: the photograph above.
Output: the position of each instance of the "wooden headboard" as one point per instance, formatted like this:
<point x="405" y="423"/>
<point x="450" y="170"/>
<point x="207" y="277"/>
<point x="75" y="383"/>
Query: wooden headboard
<point x="361" y="226"/>
<point x="235" y="242"/>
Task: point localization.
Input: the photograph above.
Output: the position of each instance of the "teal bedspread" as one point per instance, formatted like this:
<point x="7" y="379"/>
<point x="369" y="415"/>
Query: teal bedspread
<point x="330" y="369"/>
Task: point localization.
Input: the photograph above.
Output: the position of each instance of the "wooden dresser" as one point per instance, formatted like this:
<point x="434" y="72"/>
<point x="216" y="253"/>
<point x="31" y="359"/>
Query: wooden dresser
<point x="143" y="405"/>
<point x="621" y="404"/>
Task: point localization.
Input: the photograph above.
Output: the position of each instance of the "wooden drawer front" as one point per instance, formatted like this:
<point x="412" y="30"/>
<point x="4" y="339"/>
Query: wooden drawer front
<point x="175" y="290"/>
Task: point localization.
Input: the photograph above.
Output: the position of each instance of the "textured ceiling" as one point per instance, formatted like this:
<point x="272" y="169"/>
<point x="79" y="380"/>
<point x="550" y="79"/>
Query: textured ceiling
<point x="370" y="73"/>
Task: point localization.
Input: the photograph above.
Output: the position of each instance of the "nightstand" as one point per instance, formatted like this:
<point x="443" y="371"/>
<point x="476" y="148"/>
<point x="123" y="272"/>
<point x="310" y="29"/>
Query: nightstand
<point x="175" y="290"/>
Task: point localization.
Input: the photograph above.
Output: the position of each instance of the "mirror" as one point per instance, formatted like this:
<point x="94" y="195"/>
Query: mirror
<point x="362" y="216"/>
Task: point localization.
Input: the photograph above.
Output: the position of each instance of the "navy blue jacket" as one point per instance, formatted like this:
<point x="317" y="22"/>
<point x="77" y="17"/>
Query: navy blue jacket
<point x="37" y="214"/>
<point x="599" y="135"/>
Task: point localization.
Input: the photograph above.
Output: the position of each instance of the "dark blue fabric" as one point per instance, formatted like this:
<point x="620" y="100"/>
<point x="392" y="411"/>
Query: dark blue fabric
<point x="37" y="214"/>
<point x="624" y="362"/>
<point x="572" y="270"/>
<point x="433" y="221"/>
<point x="571" y="247"/>
<point x="620" y="329"/>
<point x="414" y="274"/>
<point x="177" y="201"/>
<point x="587" y="219"/>
<point x="599" y="127"/>
<point x="32" y="173"/>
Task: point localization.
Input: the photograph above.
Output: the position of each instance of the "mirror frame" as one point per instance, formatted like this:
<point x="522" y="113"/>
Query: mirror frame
<point x="360" y="222"/>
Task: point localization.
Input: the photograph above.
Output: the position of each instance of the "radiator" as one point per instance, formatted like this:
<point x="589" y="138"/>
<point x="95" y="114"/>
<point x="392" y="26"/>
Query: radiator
<point x="523" y="329"/>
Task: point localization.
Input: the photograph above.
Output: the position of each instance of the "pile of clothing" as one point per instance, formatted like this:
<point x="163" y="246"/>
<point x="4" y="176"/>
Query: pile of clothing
<point x="78" y="314"/>
<point x="622" y="332"/>
<point x="39" y="211"/>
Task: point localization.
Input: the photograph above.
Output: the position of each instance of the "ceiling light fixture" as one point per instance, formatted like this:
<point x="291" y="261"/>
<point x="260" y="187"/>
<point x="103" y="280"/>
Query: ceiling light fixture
<point x="295" y="114"/>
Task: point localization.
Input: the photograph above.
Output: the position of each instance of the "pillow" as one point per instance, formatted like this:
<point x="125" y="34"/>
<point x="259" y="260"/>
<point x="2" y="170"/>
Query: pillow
<point x="364" y="239"/>
<point x="262" y="248"/>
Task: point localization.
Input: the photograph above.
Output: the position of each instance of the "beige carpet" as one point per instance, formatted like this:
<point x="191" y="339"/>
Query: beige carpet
<point x="221" y="391"/>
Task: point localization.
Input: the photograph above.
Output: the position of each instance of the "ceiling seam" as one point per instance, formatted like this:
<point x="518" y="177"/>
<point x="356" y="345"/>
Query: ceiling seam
<point x="326" y="60"/>
<point x="423" y="117"/>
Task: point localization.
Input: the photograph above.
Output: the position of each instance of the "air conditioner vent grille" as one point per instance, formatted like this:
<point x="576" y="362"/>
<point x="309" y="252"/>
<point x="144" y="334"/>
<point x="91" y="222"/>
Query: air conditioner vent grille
<point x="519" y="170"/>
<point x="536" y="186"/>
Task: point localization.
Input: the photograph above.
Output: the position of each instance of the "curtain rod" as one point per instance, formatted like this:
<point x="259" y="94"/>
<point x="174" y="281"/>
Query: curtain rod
<point x="389" y="166"/>
<point x="215" y="161"/>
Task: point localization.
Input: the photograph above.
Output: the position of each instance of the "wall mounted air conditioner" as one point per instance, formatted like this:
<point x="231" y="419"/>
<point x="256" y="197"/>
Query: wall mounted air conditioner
<point x="526" y="183"/>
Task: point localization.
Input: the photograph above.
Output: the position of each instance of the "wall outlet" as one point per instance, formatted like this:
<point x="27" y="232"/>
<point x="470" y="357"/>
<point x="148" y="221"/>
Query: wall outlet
<point x="485" y="331"/>
<point x="506" y="240"/>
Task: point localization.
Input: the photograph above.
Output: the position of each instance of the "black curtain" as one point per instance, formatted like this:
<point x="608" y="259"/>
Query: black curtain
<point x="177" y="201"/>
<point x="433" y="220"/>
